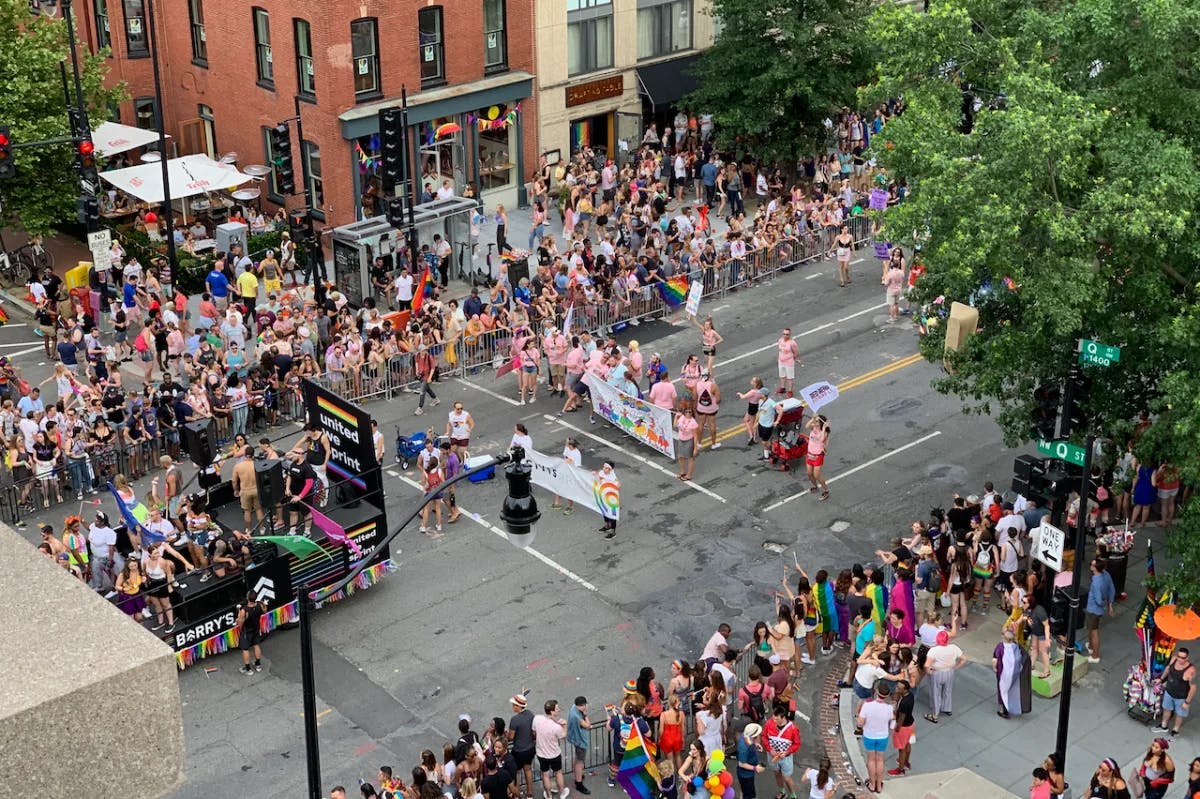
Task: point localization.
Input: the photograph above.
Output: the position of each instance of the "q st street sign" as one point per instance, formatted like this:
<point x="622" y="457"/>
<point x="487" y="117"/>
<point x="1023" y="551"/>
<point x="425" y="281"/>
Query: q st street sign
<point x="1097" y="354"/>
<point x="1063" y="451"/>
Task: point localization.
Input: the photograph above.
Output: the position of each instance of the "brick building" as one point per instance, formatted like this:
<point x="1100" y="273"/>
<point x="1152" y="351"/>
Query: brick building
<point x="231" y="70"/>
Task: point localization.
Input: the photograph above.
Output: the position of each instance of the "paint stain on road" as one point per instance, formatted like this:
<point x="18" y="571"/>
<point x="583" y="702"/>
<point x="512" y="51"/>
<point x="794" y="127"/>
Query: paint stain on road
<point x="366" y="749"/>
<point x="536" y="663"/>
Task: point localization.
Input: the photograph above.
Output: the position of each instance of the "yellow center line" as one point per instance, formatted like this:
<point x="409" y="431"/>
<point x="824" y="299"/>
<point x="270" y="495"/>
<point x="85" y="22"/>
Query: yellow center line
<point x="853" y="382"/>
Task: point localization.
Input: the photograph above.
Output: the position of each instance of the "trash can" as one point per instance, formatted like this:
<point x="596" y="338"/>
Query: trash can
<point x="1118" y="569"/>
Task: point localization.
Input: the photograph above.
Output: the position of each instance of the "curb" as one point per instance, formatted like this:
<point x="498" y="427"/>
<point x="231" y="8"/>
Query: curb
<point x="842" y="753"/>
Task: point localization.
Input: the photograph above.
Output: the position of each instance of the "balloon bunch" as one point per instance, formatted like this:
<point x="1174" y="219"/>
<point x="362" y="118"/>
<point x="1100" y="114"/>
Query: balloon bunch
<point x="719" y="781"/>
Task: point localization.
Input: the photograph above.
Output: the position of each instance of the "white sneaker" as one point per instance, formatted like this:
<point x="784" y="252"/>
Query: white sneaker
<point x="806" y="660"/>
<point x="145" y="613"/>
<point x="565" y="792"/>
<point x="437" y="402"/>
<point x="418" y="412"/>
<point x="1093" y="659"/>
<point x="716" y="445"/>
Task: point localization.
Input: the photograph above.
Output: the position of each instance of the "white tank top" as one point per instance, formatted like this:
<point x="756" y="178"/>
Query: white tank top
<point x="458" y="425"/>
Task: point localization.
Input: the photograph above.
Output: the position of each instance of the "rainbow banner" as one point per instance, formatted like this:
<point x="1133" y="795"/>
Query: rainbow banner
<point x="674" y="290"/>
<point x="566" y="480"/>
<point x="638" y="773"/>
<point x="607" y="493"/>
<point x="646" y="422"/>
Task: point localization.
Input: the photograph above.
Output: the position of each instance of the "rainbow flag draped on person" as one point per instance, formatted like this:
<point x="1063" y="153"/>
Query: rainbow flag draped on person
<point x="674" y="290"/>
<point x="823" y="597"/>
<point x="638" y="773"/>
<point x="420" y="290"/>
<point x="879" y="605"/>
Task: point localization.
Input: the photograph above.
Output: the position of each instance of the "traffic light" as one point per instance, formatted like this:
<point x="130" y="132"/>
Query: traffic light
<point x="89" y="212"/>
<point x="391" y="150"/>
<point x="8" y="168"/>
<point x="281" y="148"/>
<point x="300" y="226"/>
<point x="395" y="212"/>
<point x="1046" y="398"/>
<point x="1074" y="417"/>
<point x="85" y="159"/>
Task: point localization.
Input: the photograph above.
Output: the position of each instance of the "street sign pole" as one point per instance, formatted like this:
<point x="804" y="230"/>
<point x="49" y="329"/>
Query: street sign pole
<point x="1064" y="699"/>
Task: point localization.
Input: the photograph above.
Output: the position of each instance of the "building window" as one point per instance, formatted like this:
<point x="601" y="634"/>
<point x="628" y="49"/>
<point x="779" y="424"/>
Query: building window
<point x="316" y="188"/>
<point x="429" y="35"/>
<point x="262" y="47"/>
<point x="664" y="28"/>
<point x="199" y="41"/>
<point x="145" y="114"/>
<point x="136" y="45"/>
<point x="496" y="142"/>
<point x="589" y="36"/>
<point x="495" y="39"/>
<point x="273" y="193"/>
<point x="306" y="83"/>
<point x="364" y="40"/>
<point x="103" y="36"/>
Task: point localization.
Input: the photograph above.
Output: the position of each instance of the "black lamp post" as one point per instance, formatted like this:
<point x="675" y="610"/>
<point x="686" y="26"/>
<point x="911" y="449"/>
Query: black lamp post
<point x="519" y="513"/>
<point x="167" y="211"/>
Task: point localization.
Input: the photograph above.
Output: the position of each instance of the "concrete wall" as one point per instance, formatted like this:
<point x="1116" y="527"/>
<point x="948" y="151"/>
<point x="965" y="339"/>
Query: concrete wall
<point x="90" y="701"/>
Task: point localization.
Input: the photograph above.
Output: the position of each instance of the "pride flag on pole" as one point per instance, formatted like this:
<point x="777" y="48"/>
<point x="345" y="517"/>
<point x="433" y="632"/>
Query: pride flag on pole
<point x="419" y="291"/>
<point x="568" y="321"/>
<point x="674" y="290"/>
<point x="638" y="773"/>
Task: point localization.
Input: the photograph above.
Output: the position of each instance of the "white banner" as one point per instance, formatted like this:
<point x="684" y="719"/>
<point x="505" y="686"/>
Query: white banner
<point x="566" y="480"/>
<point x="647" y="423"/>
<point x="693" y="298"/>
<point x="818" y="395"/>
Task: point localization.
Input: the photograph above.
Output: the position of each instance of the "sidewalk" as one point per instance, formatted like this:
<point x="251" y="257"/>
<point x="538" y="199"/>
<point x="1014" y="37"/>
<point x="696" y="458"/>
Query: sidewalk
<point x="1004" y="752"/>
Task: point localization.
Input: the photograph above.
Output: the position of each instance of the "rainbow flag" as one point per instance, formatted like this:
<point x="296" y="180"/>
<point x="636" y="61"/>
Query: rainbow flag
<point x="823" y="597"/>
<point x="879" y="604"/>
<point x="674" y="290"/>
<point x="423" y="286"/>
<point x="3" y="316"/>
<point x="638" y="773"/>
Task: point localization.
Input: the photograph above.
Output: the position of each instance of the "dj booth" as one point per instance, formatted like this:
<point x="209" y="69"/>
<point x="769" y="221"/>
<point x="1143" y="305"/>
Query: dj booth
<point x="206" y="612"/>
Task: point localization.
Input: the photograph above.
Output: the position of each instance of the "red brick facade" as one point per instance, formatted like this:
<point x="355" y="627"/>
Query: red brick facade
<point x="241" y="107"/>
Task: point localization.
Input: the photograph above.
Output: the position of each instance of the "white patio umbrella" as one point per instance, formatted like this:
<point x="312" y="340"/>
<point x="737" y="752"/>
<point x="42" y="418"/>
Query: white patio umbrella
<point x="111" y="138"/>
<point x="189" y="175"/>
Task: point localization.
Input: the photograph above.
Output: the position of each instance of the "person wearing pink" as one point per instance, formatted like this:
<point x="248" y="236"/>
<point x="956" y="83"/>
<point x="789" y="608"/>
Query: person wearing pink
<point x="663" y="393"/>
<point x="789" y="356"/>
<point x="708" y="402"/>
<point x="687" y="435"/>
<point x="574" y="364"/>
<point x="814" y="461"/>
<point x="556" y="353"/>
<point x="548" y="733"/>
<point x="893" y="282"/>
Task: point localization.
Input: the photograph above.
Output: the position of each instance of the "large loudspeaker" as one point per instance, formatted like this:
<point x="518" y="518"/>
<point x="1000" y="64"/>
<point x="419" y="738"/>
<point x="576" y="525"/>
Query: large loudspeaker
<point x="196" y="601"/>
<point x="198" y="439"/>
<point x="518" y="269"/>
<point x="269" y="477"/>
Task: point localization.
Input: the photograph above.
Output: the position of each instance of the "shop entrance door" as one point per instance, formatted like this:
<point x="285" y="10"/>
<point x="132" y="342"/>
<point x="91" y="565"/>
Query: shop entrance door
<point x="442" y="160"/>
<point x="628" y="135"/>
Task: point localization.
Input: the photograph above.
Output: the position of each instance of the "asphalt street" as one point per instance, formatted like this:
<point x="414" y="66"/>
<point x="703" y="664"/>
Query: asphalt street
<point x="468" y="620"/>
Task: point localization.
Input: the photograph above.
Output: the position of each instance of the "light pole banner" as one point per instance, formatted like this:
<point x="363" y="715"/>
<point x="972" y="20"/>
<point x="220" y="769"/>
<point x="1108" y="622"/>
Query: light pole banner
<point x="568" y="481"/>
<point x="647" y="423"/>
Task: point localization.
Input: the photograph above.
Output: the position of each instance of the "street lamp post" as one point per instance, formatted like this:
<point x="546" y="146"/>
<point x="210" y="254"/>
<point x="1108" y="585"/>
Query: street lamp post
<point x="166" y="209"/>
<point x="519" y="513"/>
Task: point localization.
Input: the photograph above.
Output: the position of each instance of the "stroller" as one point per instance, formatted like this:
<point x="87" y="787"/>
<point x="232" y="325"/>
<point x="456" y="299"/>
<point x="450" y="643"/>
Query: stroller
<point x="790" y="442"/>
<point x="409" y="447"/>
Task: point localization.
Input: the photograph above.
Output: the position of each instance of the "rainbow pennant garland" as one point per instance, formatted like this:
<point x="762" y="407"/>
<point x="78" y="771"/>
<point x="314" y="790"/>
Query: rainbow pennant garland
<point x="284" y="614"/>
<point x="674" y="290"/>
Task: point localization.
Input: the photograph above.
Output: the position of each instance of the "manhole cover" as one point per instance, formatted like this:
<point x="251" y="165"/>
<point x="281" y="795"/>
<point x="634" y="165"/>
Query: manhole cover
<point x="839" y="526"/>
<point x="774" y="546"/>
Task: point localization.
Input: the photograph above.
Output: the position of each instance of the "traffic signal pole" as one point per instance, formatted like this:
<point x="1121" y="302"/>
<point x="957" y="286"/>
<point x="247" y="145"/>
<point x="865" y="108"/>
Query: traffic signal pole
<point x="314" y="250"/>
<point x="1064" y="698"/>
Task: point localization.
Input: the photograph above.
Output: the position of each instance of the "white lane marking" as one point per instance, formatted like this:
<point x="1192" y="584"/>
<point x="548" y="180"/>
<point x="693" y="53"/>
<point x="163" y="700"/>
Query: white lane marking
<point x="803" y="716"/>
<point x="857" y="261"/>
<point x="487" y="391"/>
<point x="813" y="276"/>
<point x="15" y="343"/>
<point x="641" y="459"/>
<point x="720" y="308"/>
<point x="809" y="332"/>
<point x="475" y="517"/>
<point x="18" y="324"/>
<point x="34" y="348"/>
<point x="858" y="468"/>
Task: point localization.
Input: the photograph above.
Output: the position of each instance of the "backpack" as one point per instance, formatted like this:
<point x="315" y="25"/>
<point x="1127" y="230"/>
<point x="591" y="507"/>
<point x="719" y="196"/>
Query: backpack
<point x="934" y="583"/>
<point x="757" y="709"/>
<point x="984" y="558"/>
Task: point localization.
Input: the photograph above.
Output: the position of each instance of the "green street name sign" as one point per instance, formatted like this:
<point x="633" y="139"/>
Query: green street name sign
<point x="1097" y="354"/>
<point x="1063" y="451"/>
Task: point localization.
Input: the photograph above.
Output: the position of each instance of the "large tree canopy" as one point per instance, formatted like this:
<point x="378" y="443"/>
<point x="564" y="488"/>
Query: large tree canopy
<point x="779" y="68"/>
<point x="1079" y="182"/>
<point x="31" y="49"/>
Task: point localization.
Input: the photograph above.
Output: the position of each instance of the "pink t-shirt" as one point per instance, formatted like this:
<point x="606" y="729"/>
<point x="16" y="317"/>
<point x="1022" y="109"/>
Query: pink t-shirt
<point x="556" y="349"/>
<point x="895" y="281"/>
<point x="816" y="442"/>
<point x="685" y="427"/>
<point x="787" y="351"/>
<point x="1040" y="791"/>
<point x="663" y="394"/>
<point x="547" y="733"/>
<point x="575" y="361"/>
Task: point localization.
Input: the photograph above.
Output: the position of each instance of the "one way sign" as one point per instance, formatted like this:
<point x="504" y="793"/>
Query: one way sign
<point x="1048" y="543"/>
<point x="264" y="589"/>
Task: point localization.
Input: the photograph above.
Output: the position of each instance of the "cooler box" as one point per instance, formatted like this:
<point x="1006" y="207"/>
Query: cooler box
<point x="486" y="474"/>
<point x="78" y="276"/>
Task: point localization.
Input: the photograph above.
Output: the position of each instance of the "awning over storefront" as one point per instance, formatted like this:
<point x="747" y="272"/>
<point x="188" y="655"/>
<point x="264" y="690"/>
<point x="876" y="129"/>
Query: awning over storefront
<point x="189" y="176"/>
<point x="666" y="82"/>
<point x="111" y="138"/>
<point x="460" y="98"/>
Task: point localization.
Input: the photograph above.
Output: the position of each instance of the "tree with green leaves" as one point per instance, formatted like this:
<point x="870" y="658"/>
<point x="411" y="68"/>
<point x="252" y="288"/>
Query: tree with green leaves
<point x="1052" y="152"/>
<point x="32" y="47"/>
<point x="778" y="69"/>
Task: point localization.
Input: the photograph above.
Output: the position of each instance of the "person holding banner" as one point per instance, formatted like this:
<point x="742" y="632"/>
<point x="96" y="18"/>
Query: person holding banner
<point x="607" y="487"/>
<point x="687" y="441"/>
<point x="818" y="441"/>
<point x="574" y="457"/>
